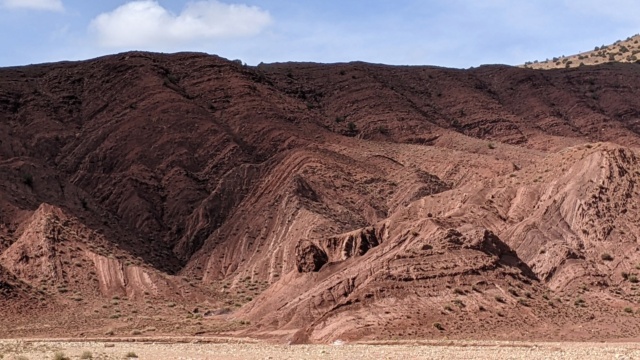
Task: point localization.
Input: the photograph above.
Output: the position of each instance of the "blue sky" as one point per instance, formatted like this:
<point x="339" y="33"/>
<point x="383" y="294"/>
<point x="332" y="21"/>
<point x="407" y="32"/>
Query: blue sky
<point x="453" y="33"/>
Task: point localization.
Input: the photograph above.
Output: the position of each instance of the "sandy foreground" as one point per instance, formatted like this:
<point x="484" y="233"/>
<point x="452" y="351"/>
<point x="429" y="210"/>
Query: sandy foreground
<point x="160" y="349"/>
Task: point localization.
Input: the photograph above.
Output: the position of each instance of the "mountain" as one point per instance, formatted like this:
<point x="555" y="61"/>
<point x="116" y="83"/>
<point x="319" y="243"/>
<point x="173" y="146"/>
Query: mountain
<point x="621" y="51"/>
<point x="184" y="193"/>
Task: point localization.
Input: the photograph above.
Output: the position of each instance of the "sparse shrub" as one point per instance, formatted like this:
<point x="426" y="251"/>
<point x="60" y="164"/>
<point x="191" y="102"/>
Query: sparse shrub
<point x="171" y="304"/>
<point x="131" y="355"/>
<point x="448" y="308"/>
<point x="491" y="145"/>
<point x="628" y="310"/>
<point x="438" y="326"/>
<point x="352" y="127"/>
<point x="579" y="302"/>
<point x="633" y="279"/>
<point x="60" y="356"/>
<point x="458" y="303"/>
<point x="606" y="257"/>
<point x="514" y="292"/>
<point x="500" y="299"/>
<point x="458" y="291"/>
<point x="340" y="119"/>
<point x="86" y="355"/>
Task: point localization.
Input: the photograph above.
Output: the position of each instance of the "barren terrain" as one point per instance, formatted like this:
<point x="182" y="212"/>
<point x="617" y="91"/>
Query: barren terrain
<point x="146" y="195"/>
<point x="470" y="350"/>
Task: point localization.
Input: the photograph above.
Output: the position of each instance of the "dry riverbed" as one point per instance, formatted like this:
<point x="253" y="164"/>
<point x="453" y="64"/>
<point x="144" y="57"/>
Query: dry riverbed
<point x="220" y="349"/>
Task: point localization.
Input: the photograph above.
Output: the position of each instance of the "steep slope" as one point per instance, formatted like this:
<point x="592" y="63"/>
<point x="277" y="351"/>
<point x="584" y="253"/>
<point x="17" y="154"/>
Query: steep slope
<point x="431" y="106"/>
<point x="391" y="282"/>
<point x="568" y="221"/>
<point x="320" y="201"/>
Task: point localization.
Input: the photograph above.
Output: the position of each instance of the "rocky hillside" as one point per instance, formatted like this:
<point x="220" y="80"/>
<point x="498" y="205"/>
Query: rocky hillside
<point x="621" y="51"/>
<point x="188" y="194"/>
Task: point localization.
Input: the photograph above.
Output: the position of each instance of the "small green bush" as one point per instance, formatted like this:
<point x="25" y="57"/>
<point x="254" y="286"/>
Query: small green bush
<point x="606" y="257"/>
<point x="438" y="326"/>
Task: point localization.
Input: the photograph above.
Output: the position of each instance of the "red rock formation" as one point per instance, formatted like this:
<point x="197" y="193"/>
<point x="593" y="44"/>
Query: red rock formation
<point x="316" y="201"/>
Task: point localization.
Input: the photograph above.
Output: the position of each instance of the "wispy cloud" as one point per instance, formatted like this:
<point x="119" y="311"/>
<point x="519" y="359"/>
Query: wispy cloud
<point x="46" y="5"/>
<point x="146" y="24"/>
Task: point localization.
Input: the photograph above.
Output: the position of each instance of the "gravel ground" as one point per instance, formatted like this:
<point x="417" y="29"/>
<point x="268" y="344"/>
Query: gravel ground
<point x="12" y="349"/>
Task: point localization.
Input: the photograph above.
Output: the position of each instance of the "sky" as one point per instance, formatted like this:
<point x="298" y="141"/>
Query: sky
<point x="451" y="33"/>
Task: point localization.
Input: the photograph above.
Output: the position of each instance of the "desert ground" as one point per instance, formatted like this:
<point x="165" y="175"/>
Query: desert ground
<point x="252" y="350"/>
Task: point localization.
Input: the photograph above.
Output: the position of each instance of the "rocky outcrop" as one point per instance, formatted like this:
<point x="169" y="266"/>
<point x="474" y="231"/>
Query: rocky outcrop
<point x="309" y="257"/>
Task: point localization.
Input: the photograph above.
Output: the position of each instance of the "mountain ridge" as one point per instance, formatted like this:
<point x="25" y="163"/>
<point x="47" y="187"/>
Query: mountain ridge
<point x="194" y="195"/>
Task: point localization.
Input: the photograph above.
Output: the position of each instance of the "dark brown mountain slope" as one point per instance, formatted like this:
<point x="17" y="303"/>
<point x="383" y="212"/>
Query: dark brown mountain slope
<point x="321" y="201"/>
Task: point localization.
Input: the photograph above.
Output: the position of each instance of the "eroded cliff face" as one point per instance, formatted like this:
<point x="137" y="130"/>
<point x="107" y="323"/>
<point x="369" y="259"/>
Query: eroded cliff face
<point x="321" y="201"/>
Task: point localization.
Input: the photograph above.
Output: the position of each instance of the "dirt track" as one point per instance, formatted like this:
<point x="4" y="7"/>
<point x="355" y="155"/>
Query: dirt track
<point x="11" y="349"/>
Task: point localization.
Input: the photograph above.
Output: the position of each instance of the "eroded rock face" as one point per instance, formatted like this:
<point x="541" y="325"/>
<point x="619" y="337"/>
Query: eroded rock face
<point x="309" y="257"/>
<point x="194" y="166"/>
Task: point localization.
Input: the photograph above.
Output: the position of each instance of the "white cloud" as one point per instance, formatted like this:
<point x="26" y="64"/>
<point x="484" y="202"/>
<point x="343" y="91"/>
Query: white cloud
<point x="146" y="24"/>
<point x="48" y="5"/>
